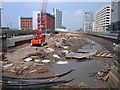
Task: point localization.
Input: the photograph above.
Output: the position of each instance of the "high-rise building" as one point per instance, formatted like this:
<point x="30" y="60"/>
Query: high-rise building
<point x="88" y="21"/>
<point x="115" y="16"/>
<point x="49" y="21"/>
<point x="103" y="19"/>
<point x="58" y="18"/>
<point x="25" y="23"/>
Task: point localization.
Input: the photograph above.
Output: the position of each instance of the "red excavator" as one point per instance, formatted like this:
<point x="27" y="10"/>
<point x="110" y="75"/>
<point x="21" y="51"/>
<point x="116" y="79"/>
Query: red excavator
<point x="39" y="33"/>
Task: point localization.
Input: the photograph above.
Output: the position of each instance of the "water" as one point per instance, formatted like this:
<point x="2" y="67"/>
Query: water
<point x="83" y="68"/>
<point x="81" y="73"/>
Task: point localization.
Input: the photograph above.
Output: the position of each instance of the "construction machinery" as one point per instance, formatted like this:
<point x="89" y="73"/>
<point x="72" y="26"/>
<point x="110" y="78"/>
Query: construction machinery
<point x="39" y="33"/>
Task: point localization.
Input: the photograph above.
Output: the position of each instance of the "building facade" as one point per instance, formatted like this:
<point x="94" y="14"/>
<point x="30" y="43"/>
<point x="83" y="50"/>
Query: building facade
<point x="58" y="18"/>
<point x="103" y="19"/>
<point x="36" y="21"/>
<point x="25" y="23"/>
<point x="115" y="16"/>
<point x="49" y="21"/>
<point x="88" y="21"/>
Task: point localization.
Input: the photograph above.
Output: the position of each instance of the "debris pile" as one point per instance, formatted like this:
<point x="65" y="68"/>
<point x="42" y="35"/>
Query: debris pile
<point x="82" y="53"/>
<point x="103" y="75"/>
<point x="105" y="55"/>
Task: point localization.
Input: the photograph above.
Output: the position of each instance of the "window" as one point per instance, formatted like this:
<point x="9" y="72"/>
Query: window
<point x="107" y="18"/>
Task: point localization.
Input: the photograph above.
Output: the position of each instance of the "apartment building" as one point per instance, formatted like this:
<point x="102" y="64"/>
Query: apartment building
<point x="103" y="19"/>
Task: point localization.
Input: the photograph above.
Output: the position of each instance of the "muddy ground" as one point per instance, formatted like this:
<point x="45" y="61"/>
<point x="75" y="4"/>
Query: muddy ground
<point x="15" y="66"/>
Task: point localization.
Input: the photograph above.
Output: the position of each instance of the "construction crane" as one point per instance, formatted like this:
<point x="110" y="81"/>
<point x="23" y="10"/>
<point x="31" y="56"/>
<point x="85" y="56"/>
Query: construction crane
<point x="39" y="33"/>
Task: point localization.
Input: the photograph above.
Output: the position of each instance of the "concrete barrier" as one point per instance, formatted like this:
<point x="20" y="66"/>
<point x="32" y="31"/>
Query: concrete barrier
<point x="11" y="41"/>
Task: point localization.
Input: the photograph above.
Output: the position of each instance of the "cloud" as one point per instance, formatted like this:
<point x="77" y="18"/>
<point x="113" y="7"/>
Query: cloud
<point x="78" y="12"/>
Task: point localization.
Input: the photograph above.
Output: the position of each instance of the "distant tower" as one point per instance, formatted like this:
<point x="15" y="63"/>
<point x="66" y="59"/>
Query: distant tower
<point x="88" y="21"/>
<point x="58" y="18"/>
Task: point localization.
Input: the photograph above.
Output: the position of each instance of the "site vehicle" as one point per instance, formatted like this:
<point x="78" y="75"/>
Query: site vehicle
<point x="39" y="33"/>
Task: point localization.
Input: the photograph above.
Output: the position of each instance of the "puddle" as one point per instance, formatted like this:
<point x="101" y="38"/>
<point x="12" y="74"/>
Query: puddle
<point x="81" y="73"/>
<point x="83" y="67"/>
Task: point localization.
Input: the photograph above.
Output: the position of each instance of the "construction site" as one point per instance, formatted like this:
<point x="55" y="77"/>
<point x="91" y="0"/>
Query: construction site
<point x="43" y="58"/>
<point x="83" y="62"/>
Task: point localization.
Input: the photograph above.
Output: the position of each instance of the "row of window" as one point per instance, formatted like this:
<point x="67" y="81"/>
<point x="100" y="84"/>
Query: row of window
<point x="26" y="21"/>
<point x="26" y="26"/>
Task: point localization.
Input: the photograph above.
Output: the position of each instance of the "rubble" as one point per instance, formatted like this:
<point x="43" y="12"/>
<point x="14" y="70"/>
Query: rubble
<point x="65" y="47"/>
<point x="33" y="71"/>
<point x="22" y="69"/>
<point x="81" y="53"/>
<point x="103" y="75"/>
<point x="62" y="62"/>
<point x="28" y="59"/>
<point x="77" y="55"/>
<point x="65" y="51"/>
<point x="8" y="65"/>
<point x="45" y="61"/>
<point x="82" y="85"/>
<point x="56" y="56"/>
<point x="49" y="50"/>
<point x="105" y="55"/>
<point x="43" y="70"/>
<point x="37" y="61"/>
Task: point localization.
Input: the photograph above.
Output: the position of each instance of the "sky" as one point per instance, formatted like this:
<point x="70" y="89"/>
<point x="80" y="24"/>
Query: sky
<point x="72" y="11"/>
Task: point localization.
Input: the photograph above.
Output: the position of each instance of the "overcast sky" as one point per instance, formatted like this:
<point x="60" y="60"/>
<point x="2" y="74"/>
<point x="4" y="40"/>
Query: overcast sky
<point x="72" y="11"/>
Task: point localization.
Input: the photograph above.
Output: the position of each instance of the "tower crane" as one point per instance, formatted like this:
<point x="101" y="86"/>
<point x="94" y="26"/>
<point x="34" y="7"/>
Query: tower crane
<point x="39" y="33"/>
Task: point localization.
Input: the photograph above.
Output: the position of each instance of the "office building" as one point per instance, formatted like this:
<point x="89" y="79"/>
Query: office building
<point x="25" y="23"/>
<point x="103" y="19"/>
<point x="115" y="16"/>
<point x="58" y="18"/>
<point x="88" y="21"/>
<point x="49" y="21"/>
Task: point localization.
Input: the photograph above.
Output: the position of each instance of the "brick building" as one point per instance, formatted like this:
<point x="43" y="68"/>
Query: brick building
<point x="25" y="23"/>
<point x="49" y="21"/>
